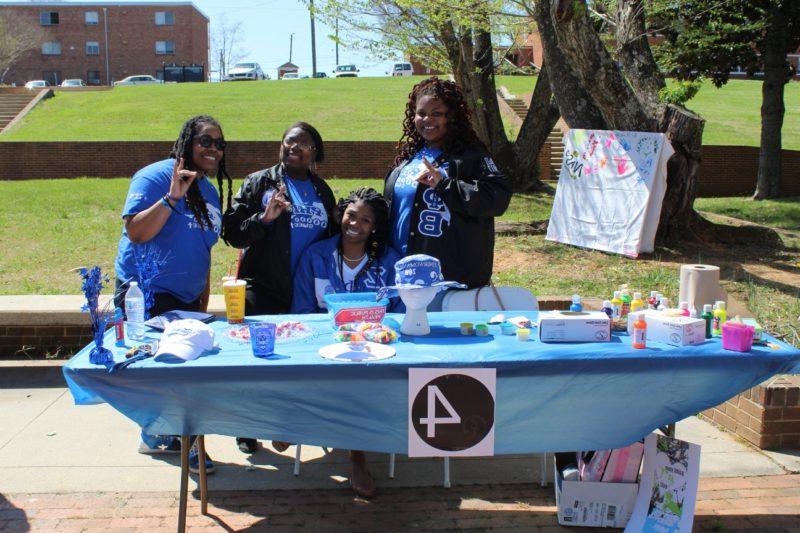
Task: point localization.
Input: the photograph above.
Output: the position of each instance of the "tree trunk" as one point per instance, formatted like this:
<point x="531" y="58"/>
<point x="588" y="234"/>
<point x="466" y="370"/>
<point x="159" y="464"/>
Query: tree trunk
<point x="768" y="184"/>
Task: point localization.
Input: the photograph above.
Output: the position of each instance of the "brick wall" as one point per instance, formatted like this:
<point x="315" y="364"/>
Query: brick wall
<point x="732" y="171"/>
<point x="107" y="159"/>
<point x="767" y="416"/>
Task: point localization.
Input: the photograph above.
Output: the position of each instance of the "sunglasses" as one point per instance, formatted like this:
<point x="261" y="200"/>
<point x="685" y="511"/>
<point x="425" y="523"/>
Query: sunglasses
<point x="207" y="140"/>
<point x="302" y="146"/>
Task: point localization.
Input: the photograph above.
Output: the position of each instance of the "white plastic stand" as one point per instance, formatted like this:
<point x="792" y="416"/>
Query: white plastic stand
<point x="416" y="301"/>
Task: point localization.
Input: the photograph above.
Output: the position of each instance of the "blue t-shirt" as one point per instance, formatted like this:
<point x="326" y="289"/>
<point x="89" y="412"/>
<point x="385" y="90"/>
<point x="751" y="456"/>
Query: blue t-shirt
<point x="405" y="190"/>
<point x="309" y="220"/>
<point x="181" y="251"/>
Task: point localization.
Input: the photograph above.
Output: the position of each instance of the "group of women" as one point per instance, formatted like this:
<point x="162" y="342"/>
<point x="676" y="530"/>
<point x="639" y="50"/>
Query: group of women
<point x="440" y="198"/>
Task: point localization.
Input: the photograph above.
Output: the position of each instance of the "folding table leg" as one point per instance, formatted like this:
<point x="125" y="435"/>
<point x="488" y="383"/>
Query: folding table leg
<point x="297" y="459"/>
<point x="201" y="449"/>
<point x="184" y="483"/>
<point x="543" y="479"/>
<point x="446" y="473"/>
<point x="391" y="466"/>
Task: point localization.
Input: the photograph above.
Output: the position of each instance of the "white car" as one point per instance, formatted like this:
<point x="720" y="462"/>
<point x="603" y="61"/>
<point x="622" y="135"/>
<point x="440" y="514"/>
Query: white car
<point x="74" y="82"/>
<point x="402" y="69"/>
<point x="291" y="76"/>
<point x="246" y="71"/>
<point x="345" y="71"/>
<point x="140" y="79"/>
<point x="36" y="84"/>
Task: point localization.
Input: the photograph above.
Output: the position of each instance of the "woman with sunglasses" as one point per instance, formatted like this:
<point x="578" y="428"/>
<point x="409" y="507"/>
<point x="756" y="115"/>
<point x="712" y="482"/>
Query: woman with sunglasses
<point x="277" y="214"/>
<point x="172" y="219"/>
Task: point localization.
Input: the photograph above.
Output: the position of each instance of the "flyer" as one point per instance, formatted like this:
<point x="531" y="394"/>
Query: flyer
<point x="668" y="489"/>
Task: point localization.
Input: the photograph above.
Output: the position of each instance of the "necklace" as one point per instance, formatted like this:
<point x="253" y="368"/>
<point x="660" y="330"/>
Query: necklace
<point x="354" y="260"/>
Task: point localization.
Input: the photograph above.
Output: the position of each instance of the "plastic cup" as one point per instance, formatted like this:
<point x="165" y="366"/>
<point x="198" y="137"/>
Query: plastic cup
<point x="467" y="329"/>
<point x="523" y="334"/>
<point x="507" y="328"/>
<point x="482" y="330"/>
<point x="234" y="300"/>
<point x="262" y="338"/>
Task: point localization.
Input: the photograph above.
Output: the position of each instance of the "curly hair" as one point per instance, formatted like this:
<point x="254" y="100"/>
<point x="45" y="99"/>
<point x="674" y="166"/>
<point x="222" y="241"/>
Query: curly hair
<point x="183" y="149"/>
<point x="460" y="132"/>
<point x="379" y="238"/>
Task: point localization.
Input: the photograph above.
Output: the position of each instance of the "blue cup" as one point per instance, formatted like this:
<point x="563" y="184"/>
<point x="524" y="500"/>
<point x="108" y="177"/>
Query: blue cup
<point x="262" y="338"/>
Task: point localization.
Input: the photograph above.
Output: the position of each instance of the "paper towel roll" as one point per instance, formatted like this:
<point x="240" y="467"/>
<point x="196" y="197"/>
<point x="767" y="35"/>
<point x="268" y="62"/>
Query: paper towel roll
<point x="700" y="285"/>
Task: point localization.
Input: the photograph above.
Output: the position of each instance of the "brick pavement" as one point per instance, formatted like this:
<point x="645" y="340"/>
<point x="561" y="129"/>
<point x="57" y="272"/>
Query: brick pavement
<point x="766" y="503"/>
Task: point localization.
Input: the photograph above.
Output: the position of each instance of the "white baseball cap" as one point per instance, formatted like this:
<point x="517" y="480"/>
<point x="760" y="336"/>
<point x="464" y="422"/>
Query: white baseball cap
<point x="186" y="339"/>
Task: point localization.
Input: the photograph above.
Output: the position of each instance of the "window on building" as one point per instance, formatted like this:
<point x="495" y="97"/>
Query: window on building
<point x="48" y="18"/>
<point x="91" y="17"/>
<point x="164" y="48"/>
<point x="93" y="77"/>
<point x="92" y="48"/>
<point x="53" y="77"/>
<point x="51" y="48"/>
<point x="165" y="18"/>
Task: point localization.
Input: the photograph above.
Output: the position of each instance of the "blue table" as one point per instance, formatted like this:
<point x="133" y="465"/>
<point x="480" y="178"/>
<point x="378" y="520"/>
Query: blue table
<point x="550" y="397"/>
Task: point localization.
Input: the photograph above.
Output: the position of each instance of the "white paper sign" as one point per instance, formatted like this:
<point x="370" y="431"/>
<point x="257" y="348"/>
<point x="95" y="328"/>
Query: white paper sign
<point x="668" y="489"/>
<point x="610" y="190"/>
<point x="451" y="412"/>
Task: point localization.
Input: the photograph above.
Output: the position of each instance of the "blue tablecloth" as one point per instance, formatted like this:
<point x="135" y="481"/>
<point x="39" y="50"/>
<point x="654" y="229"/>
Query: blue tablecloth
<point x="550" y="397"/>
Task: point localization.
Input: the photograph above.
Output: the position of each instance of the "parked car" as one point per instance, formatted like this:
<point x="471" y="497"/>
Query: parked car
<point x="320" y="75"/>
<point x="36" y="84"/>
<point x="345" y="71"/>
<point x="291" y="76"/>
<point x="73" y="82"/>
<point x="139" y="79"/>
<point x="246" y="71"/>
<point x="402" y="69"/>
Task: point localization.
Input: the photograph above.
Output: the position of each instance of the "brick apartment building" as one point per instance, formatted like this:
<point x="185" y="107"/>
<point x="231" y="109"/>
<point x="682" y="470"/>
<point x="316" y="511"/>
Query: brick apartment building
<point x="105" y="42"/>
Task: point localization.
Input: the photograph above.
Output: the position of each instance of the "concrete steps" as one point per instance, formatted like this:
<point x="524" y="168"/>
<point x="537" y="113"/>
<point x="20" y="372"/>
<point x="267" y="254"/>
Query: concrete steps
<point x="11" y="105"/>
<point x="555" y="138"/>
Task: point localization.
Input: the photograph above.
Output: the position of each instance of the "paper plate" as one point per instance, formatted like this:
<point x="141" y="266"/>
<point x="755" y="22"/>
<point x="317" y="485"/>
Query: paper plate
<point x="342" y="351"/>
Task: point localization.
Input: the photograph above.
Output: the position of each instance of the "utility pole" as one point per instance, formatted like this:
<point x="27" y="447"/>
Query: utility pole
<point x="222" y="68"/>
<point x="337" y="40"/>
<point x="313" y="41"/>
<point x="291" y="37"/>
<point x="105" y="32"/>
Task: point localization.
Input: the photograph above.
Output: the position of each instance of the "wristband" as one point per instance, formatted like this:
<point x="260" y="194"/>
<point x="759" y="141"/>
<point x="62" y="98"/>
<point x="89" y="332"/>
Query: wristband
<point x="165" y="201"/>
<point x="171" y="199"/>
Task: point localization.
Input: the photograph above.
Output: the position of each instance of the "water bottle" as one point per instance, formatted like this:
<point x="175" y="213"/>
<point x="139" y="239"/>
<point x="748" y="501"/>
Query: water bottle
<point x="134" y="309"/>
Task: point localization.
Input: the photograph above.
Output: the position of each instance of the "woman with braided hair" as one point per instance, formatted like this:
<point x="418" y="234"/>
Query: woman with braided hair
<point x="358" y="259"/>
<point x="445" y="190"/>
<point x="172" y="217"/>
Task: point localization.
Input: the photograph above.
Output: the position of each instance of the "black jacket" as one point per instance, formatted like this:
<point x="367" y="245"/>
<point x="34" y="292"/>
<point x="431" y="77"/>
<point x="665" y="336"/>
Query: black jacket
<point x="266" y="260"/>
<point x="475" y="192"/>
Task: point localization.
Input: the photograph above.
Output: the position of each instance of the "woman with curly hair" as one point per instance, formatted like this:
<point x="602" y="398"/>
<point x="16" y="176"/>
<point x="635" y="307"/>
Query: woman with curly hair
<point x="358" y="259"/>
<point x="172" y="216"/>
<point x="444" y="189"/>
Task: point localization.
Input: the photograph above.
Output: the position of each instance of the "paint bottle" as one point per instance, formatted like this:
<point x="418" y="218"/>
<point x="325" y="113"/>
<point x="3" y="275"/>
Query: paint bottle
<point x="639" y="332"/>
<point x="616" y="305"/>
<point x="720" y="315"/>
<point x="684" y="307"/>
<point x="652" y="301"/>
<point x="626" y="303"/>
<point x="576" y="304"/>
<point x="693" y="312"/>
<point x="119" y="326"/>
<point x="637" y="304"/>
<point x="663" y="304"/>
<point x="708" y="316"/>
<point x="608" y="308"/>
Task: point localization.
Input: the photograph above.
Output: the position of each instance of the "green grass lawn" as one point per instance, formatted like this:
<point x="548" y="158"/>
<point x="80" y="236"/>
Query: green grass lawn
<point x="342" y="109"/>
<point x="783" y="213"/>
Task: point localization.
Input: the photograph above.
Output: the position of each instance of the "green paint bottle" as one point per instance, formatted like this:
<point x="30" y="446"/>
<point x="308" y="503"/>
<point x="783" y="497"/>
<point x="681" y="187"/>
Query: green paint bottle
<point x="708" y="316"/>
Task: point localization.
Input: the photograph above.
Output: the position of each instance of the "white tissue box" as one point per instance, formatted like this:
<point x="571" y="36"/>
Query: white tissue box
<point x="569" y="326"/>
<point x="675" y="330"/>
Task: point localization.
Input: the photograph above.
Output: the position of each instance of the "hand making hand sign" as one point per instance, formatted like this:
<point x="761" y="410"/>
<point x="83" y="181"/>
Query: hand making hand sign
<point x="181" y="180"/>
<point x="277" y="204"/>
<point x="431" y="176"/>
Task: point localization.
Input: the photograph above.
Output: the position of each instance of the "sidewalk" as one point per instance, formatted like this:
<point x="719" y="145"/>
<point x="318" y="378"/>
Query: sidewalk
<point x="70" y="468"/>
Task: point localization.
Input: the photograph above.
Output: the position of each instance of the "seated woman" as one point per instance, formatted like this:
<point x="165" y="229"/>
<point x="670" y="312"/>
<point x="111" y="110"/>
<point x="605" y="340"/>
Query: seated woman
<point x="356" y="260"/>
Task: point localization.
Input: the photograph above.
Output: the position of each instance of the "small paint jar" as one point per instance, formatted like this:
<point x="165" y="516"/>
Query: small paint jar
<point x="507" y="328"/>
<point x="481" y="330"/>
<point x="523" y="334"/>
<point x="467" y="329"/>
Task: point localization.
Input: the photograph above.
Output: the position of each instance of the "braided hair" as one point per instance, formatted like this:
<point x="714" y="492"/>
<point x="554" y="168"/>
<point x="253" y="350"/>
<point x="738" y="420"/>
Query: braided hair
<point x="183" y="149"/>
<point x="460" y="132"/>
<point x="379" y="238"/>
